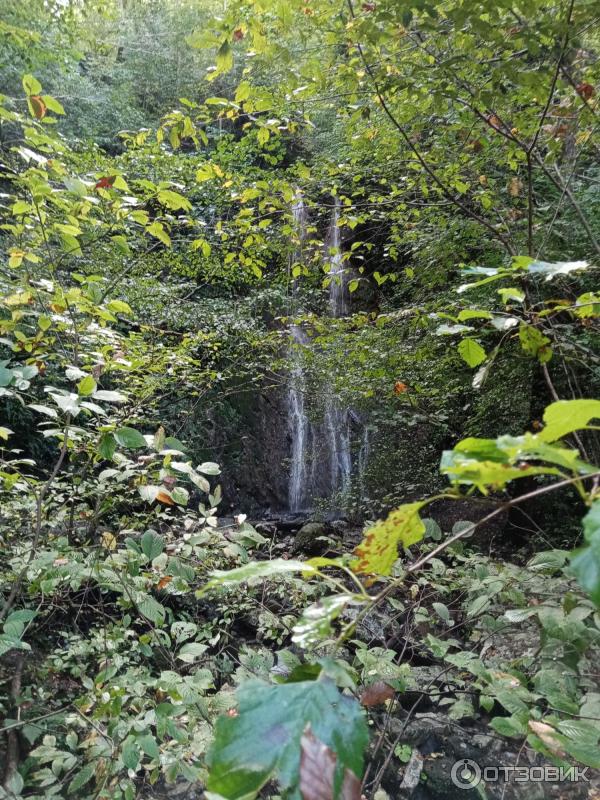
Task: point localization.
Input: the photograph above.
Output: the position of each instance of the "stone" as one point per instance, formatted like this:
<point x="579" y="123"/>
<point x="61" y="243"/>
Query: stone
<point x="311" y="538"/>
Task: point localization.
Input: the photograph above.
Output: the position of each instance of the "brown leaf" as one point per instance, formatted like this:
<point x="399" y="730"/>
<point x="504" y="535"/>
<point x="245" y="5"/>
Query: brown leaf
<point x="164" y="497"/>
<point x="317" y="772"/>
<point x="514" y="187"/>
<point x="585" y="90"/>
<point x="38" y="106"/>
<point x="548" y="736"/>
<point x="376" y="694"/>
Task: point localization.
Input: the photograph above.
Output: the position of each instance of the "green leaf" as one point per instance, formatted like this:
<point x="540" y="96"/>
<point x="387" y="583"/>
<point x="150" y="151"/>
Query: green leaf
<point x="109" y="397"/>
<point x="477" y="605"/>
<point x="152" y="544"/>
<point x="202" y="244"/>
<point x="566" y="416"/>
<point x="173" y="200"/>
<point x="172" y="443"/>
<point x="450" y="330"/>
<point x="224" y="60"/>
<point x="548" y="561"/>
<point x="180" y="631"/>
<point x="157" y="230"/>
<point x="50" y="412"/>
<point x="191" y="651"/>
<point x="81" y="778"/>
<point x="148" y="744"/>
<point x="52" y="104"/>
<point x="6" y="376"/>
<point x="150" y="608"/>
<point x="209" y="468"/>
<point x="148" y="492"/>
<point x="314" y="624"/>
<point x="129" y="437"/>
<point x="508" y="726"/>
<point x="107" y="446"/>
<point x="585" y="564"/>
<point x="263" y="741"/>
<point x="512" y="293"/>
<point x="473" y="313"/>
<point x="31" y="85"/>
<point x="551" y="270"/>
<point x="255" y="569"/>
<point x="180" y="495"/>
<point x="119" y="307"/>
<point x="130" y="753"/>
<point x="535" y="343"/>
<point x="471" y="352"/>
<point x="378" y="550"/>
<point x="441" y="610"/>
<point x="87" y="386"/>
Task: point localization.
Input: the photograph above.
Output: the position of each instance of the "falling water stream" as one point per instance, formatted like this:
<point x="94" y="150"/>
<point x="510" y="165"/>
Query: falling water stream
<point x="321" y="457"/>
<point x="300" y="427"/>
<point x="337" y="419"/>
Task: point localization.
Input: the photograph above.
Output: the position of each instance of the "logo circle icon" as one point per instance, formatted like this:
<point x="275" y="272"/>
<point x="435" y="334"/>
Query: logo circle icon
<point x="465" y="774"/>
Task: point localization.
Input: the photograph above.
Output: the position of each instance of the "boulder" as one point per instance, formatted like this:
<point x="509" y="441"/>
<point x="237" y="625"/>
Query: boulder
<point x="311" y="538"/>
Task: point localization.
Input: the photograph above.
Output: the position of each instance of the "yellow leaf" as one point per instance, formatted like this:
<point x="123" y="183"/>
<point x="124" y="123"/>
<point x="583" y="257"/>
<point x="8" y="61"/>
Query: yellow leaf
<point x="379" y="549"/>
<point x="109" y="541"/>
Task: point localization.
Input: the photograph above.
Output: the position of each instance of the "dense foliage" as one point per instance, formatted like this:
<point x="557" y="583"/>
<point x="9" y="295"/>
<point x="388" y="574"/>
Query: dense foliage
<point x="334" y="265"/>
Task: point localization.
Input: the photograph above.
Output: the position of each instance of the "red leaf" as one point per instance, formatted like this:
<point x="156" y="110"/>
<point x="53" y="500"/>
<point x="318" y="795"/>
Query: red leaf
<point x="317" y="772"/>
<point x="376" y="694"/>
<point x="106" y="183"/>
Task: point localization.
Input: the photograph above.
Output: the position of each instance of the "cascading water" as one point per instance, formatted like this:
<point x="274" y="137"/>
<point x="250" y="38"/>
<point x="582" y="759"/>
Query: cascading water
<point x="338" y="285"/>
<point x="337" y="419"/>
<point x="301" y="432"/>
<point x="300" y="427"/>
<point x="321" y="455"/>
<point x="363" y="457"/>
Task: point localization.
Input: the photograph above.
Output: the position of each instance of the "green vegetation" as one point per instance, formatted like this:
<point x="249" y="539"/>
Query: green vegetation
<point x="299" y="455"/>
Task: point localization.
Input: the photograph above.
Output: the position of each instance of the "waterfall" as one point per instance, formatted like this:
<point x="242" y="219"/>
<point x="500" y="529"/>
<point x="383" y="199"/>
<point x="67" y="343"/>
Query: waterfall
<point x="363" y="457"/>
<point x="338" y="285"/>
<point x="300" y="428"/>
<point x="320" y="453"/>
<point x="337" y="419"/>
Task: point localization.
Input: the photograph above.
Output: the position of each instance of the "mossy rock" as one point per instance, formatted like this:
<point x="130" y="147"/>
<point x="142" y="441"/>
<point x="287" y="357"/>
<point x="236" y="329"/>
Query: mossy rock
<point x="311" y="538"/>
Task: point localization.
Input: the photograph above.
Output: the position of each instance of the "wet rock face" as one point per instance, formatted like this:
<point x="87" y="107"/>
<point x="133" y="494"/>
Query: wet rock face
<point x="447" y="513"/>
<point x="447" y="756"/>
<point x="255" y="457"/>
